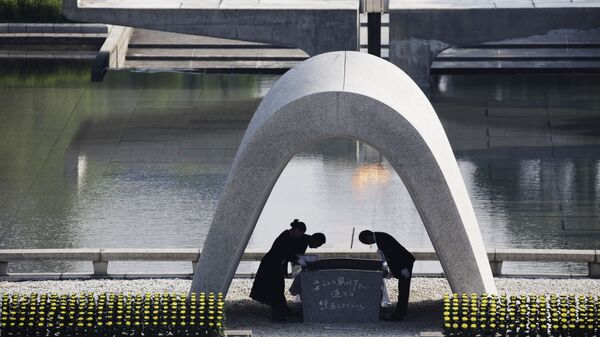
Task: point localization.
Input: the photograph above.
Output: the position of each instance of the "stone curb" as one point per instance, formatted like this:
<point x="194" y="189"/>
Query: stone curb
<point x="67" y="28"/>
<point x="19" y="277"/>
<point x="87" y="56"/>
<point x="431" y="334"/>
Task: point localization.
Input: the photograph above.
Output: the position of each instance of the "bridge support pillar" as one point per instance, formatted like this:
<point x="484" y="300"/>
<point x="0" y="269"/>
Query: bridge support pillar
<point x="374" y="9"/>
<point x="374" y="30"/>
<point x="100" y="268"/>
<point x="419" y="31"/>
<point x="3" y="268"/>
<point x="594" y="268"/>
<point x="496" y="268"/>
<point x="414" y="56"/>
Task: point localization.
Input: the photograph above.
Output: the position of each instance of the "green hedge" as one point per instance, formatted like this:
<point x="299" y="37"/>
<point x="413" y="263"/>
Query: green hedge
<point x="110" y="314"/>
<point x="545" y="315"/>
<point x="31" y="11"/>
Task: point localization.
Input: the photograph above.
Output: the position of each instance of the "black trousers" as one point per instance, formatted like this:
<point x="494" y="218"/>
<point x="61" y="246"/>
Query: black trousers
<point x="403" y="293"/>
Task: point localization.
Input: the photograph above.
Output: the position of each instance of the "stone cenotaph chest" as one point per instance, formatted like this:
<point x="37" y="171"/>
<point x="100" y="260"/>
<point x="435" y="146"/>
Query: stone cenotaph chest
<point x="341" y="295"/>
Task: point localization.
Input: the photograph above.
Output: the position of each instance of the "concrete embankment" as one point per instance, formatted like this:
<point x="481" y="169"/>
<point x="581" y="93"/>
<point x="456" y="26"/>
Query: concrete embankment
<point x="113" y="51"/>
<point x="425" y="310"/>
<point x="105" y="46"/>
<point x="152" y="50"/>
<point x="64" y="41"/>
<point x="116" y="47"/>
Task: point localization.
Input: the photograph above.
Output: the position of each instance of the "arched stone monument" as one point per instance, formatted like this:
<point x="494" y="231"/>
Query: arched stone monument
<point x="355" y="95"/>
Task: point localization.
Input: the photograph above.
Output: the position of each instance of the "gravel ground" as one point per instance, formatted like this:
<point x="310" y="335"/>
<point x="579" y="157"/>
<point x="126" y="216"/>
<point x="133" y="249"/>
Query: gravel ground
<point x="244" y="313"/>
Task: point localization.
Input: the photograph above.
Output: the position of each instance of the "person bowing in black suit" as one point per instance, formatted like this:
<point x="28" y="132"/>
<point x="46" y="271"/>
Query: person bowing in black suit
<point x="269" y="286"/>
<point x="400" y="262"/>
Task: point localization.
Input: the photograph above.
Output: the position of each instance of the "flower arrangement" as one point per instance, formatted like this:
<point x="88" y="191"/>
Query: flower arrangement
<point x="503" y="315"/>
<point x="109" y="314"/>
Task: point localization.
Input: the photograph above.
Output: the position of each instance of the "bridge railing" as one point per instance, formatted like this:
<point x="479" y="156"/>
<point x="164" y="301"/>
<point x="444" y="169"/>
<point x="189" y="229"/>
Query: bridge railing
<point x="101" y="257"/>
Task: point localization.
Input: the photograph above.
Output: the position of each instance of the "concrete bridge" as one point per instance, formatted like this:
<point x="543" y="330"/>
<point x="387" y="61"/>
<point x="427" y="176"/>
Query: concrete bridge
<point x="419" y="29"/>
<point x="315" y="26"/>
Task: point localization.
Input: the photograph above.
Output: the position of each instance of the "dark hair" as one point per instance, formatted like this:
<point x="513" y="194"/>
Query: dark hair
<point x="299" y="225"/>
<point x="317" y="240"/>
<point x="366" y="237"/>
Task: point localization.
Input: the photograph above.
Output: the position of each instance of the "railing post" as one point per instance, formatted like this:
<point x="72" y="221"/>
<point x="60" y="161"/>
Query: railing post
<point x="3" y="268"/>
<point x="496" y="268"/>
<point x="100" y="268"/>
<point x="594" y="268"/>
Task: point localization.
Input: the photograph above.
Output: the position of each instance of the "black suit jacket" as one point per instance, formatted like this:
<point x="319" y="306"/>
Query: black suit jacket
<point x="268" y="286"/>
<point x="396" y="255"/>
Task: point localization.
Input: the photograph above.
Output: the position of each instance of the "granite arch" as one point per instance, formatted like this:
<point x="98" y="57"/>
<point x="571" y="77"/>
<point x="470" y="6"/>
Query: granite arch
<point x="356" y="95"/>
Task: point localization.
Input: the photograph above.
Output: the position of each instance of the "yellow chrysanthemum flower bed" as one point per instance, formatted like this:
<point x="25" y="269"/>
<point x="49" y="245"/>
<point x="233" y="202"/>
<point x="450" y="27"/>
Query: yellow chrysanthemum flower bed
<point x="503" y="315"/>
<point x="109" y="314"/>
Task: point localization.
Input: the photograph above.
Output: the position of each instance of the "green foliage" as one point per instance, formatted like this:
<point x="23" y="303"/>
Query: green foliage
<point x="31" y="11"/>
<point x="545" y="315"/>
<point x="111" y="314"/>
<point x="33" y="73"/>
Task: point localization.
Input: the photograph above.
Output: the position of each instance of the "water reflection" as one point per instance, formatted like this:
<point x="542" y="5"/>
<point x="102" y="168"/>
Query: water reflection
<point x="370" y="176"/>
<point x="139" y="160"/>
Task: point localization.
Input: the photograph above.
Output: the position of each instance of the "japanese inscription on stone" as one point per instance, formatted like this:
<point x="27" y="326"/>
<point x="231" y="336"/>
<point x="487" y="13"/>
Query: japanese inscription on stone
<point x="341" y="295"/>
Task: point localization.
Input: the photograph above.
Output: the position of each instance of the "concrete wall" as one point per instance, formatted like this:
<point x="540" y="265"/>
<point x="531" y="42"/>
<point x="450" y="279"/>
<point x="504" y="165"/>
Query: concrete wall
<point x="101" y="258"/>
<point x="315" y="26"/>
<point x="420" y="31"/>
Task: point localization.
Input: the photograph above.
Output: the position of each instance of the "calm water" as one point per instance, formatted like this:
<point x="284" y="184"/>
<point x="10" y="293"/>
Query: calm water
<point x="140" y="159"/>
